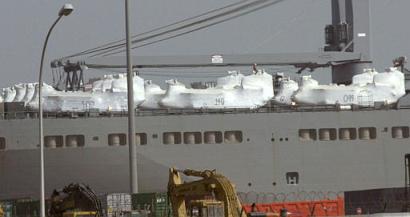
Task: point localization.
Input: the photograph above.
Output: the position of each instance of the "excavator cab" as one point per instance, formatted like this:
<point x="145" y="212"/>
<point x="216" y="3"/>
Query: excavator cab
<point x="206" y="208"/>
<point x="217" y="193"/>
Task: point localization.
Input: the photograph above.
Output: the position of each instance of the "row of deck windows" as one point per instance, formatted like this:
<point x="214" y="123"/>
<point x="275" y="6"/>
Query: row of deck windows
<point x="71" y="141"/>
<point x="363" y="133"/>
<point x="217" y="137"/>
<point x="328" y="134"/>
<point x="169" y="138"/>
<point x="120" y="139"/>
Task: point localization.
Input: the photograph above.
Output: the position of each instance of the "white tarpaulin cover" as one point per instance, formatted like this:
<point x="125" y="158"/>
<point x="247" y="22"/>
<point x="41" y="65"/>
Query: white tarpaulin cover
<point x="285" y="91"/>
<point x="366" y="89"/>
<point x="232" y="91"/>
<point x="153" y="94"/>
<point x="108" y="94"/>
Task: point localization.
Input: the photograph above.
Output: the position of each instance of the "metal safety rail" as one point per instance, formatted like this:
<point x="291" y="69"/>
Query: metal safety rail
<point x="32" y="114"/>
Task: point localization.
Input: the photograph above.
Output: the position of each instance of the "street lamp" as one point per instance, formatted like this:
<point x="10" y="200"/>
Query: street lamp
<point x="64" y="11"/>
<point x="131" y="112"/>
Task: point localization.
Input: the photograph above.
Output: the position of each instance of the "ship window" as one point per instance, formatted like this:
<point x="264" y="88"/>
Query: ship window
<point x="95" y="138"/>
<point x="400" y="132"/>
<point x="74" y="141"/>
<point x="327" y="134"/>
<point x="212" y="137"/>
<point x="170" y="138"/>
<point x="366" y="133"/>
<point x="192" y="138"/>
<point x="347" y="133"/>
<point x="141" y="138"/>
<point x="53" y="141"/>
<point x="233" y="136"/>
<point x="292" y="178"/>
<point x="2" y="143"/>
<point x="307" y="134"/>
<point x="117" y="139"/>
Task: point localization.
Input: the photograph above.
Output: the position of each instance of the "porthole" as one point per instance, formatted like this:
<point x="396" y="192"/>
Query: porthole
<point x="400" y="132"/>
<point x="53" y="141"/>
<point x="2" y="143"/>
<point x="140" y="138"/>
<point x="307" y="134"/>
<point x="170" y="138"/>
<point x="233" y="136"/>
<point x="117" y="139"/>
<point x="192" y="138"/>
<point x="212" y="137"/>
<point x="74" y="141"/>
<point x="366" y="133"/>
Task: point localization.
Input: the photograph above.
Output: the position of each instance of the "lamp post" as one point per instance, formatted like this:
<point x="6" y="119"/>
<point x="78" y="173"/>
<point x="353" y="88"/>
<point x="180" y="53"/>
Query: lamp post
<point x="131" y="113"/>
<point x="64" y="11"/>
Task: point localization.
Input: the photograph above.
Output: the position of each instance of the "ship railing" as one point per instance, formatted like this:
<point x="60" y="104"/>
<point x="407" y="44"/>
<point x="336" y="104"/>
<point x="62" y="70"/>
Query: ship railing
<point x="271" y="108"/>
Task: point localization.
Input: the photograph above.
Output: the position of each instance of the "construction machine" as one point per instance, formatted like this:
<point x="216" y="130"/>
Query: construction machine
<point x="1" y="211"/>
<point x="75" y="200"/>
<point x="216" y="195"/>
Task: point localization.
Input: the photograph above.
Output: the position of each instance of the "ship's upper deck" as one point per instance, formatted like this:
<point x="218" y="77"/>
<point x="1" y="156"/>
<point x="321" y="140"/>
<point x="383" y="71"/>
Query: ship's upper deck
<point x="270" y="108"/>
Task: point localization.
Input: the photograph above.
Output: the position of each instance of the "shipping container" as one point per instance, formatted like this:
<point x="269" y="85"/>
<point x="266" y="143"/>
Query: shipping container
<point x="372" y="201"/>
<point x="27" y="208"/>
<point x="116" y="204"/>
<point x="21" y="208"/>
<point x="301" y="208"/>
<point x="14" y="110"/>
<point x="152" y="204"/>
<point x="14" y="107"/>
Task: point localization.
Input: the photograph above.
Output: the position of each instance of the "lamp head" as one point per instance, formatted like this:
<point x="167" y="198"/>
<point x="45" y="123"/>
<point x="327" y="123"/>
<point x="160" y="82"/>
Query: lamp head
<point x="66" y="10"/>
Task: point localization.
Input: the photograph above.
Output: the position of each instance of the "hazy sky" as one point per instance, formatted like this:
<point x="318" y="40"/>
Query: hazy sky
<point x="291" y="26"/>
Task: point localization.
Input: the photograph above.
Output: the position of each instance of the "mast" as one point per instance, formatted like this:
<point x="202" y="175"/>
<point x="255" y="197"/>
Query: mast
<point x="349" y="32"/>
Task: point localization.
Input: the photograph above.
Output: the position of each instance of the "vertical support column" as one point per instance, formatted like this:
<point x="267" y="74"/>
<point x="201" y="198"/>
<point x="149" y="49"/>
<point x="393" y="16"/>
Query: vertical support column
<point x="131" y="111"/>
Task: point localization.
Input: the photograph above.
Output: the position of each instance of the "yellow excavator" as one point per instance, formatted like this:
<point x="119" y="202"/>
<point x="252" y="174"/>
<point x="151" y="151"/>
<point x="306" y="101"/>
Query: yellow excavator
<point x="1" y="211"/>
<point x="217" y="195"/>
<point x="75" y="200"/>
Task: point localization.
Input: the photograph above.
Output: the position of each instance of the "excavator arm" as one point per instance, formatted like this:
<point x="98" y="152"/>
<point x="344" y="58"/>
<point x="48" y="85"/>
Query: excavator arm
<point x="74" y="197"/>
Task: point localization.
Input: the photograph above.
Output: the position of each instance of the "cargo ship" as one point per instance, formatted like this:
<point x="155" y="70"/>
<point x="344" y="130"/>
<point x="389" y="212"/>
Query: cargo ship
<point x="351" y="135"/>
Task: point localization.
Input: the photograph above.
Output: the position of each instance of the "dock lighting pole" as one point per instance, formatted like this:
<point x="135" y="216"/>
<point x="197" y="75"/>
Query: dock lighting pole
<point x="64" y="11"/>
<point x="131" y="111"/>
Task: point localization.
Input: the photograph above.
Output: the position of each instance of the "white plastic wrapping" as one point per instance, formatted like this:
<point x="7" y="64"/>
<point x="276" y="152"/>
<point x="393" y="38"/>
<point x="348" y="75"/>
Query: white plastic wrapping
<point x="108" y="94"/>
<point x="46" y="91"/>
<point x="30" y="89"/>
<point x="233" y="79"/>
<point x="232" y="91"/>
<point x="285" y="91"/>
<point x="153" y="94"/>
<point x="8" y="94"/>
<point x="366" y="89"/>
<point x="20" y="92"/>
<point x="251" y="92"/>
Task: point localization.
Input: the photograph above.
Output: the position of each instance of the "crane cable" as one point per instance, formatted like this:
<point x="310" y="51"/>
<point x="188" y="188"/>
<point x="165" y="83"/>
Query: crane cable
<point x="110" y="47"/>
<point x="190" y="31"/>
